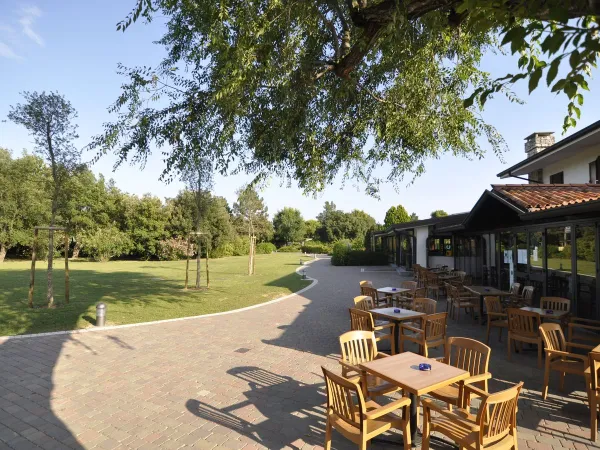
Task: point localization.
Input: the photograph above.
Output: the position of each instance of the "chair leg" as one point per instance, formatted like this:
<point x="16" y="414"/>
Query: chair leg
<point x="562" y="381"/>
<point x="499" y="334"/>
<point x="508" y="348"/>
<point x="426" y="430"/>
<point x="593" y="417"/>
<point x="364" y="444"/>
<point x="327" y="445"/>
<point x="540" y="348"/>
<point x="406" y="429"/>
<point x="546" y="379"/>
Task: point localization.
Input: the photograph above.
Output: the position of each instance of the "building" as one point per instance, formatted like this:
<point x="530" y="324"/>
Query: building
<point x="543" y="233"/>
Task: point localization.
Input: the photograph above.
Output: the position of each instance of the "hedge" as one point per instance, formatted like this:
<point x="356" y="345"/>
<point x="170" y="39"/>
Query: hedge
<point x="289" y="249"/>
<point x="265" y="248"/>
<point x="316" y="247"/>
<point x="343" y="255"/>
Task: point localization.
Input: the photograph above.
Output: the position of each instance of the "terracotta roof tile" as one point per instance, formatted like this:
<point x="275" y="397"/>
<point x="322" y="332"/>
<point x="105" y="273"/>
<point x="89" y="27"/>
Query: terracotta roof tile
<point x="538" y="197"/>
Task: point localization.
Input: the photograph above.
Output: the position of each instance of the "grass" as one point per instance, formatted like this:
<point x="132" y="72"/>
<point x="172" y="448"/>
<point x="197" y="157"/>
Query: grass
<point x="583" y="267"/>
<point x="139" y="291"/>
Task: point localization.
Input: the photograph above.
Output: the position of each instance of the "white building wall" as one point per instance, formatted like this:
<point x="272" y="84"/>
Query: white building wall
<point x="576" y="169"/>
<point x="421" y="235"/>
<point x="442" y="261"/>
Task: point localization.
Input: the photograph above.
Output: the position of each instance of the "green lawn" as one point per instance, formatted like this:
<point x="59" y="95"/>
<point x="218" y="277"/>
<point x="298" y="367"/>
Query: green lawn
<point x="583" y="267"/>
<point x="139" y="291"/>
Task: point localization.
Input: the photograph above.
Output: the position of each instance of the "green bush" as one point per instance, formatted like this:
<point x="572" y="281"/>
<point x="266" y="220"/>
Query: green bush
<point x="265" y="248"/>
<point x="358" y="244"/>
<point x="339" y="256"/>
<point x="106" y="243"/>
<point x="317" y="247"/>
<point x="289" y="249"/>
<point x="173" y="249"/>
<point x="363" y="258"/>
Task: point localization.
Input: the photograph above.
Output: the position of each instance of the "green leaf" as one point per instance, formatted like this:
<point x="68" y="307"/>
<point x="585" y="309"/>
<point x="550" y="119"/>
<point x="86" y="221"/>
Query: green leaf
<point x="580" y="99"/>
<point x="570" y="89"/>
<point x="559" y="85"/>
<point x="534" y="79"/>
<point x="516" y="37"/>
<point x="574" y="59"/>
<point x="553" y="71"/>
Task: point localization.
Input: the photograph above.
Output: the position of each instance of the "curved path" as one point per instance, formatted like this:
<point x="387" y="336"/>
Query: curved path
<point x="246" y="380"/>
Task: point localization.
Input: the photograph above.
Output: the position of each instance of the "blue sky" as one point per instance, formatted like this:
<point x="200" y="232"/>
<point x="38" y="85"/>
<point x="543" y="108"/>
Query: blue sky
<point x="73" y="47"/>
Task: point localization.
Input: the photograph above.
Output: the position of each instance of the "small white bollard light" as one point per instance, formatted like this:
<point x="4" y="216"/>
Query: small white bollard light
<point x="100" y="314"/>
<point x="303" y="271"/>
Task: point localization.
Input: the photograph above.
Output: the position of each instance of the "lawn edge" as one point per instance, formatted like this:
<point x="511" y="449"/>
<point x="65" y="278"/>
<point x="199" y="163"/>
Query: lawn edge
<point x="313" y="283"/>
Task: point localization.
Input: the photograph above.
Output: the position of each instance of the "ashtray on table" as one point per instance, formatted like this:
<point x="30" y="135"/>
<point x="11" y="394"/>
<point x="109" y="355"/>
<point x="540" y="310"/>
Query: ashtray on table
<point x="397" y="310"/>
<point x="425" y="367"/>
<point x="549" y="311"/>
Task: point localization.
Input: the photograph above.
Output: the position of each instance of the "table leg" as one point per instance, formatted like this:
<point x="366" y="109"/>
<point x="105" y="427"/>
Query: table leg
<point x="414" y="411"/>
<point x="397" y="336"/>
<point x="481" y="310"/>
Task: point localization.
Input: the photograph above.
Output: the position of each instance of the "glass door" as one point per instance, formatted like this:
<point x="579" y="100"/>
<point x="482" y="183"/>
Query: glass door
<point x="521" y="273"/>
<point x="558" y="252"/>
<point x="586" y="271"/>
<point x="537" y="276"/>
<point x="507" y="266"/>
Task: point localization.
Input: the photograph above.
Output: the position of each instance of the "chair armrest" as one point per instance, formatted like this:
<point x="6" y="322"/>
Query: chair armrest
<point x="470" y="389"/>
<point x="580" y="326"/>
<point x="553" y="353"/>
<point x="583" y="346"/>
<point x="381" y="356"/>
<point x="385" y="325"/>
<point x="351" y="366"/>
<point x="441" y="359"/>
<point x="430" y="404"/>
<point x="390" y="407"/>
<point x="579" y="321"/>
<point x="478" y="378"/>
<point x="410" y="328"/>
<point x="494" y="314"/>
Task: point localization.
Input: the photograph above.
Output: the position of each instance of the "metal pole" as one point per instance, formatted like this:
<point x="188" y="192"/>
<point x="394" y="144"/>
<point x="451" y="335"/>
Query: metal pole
<point x="100" y="314"/>
<point x="66" y="268"/>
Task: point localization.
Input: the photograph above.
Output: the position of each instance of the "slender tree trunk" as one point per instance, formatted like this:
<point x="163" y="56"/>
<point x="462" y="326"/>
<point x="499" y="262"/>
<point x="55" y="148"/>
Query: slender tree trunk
<point x="50" y="292"/>
<point x="76" y="250"/>
<point x="2" y="252"/>
<point x="32" y="276"/>
<point x="187" y="263"/>
<point x="207" y="274"/>
<point x="198" y="259"/>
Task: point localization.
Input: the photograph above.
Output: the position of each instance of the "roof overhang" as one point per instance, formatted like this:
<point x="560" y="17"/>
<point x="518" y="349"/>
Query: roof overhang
<point x="587" y="137"/>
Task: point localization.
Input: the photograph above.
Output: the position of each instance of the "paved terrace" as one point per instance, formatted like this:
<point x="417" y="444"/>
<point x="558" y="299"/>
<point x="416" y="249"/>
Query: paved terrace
<point x="245" y="380"/>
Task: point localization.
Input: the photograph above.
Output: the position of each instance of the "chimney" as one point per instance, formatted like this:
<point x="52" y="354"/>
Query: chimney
<point x="536" y="142"/>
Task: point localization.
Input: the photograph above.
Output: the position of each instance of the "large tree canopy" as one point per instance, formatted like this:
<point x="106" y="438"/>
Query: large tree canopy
<point x="309" y="90"/>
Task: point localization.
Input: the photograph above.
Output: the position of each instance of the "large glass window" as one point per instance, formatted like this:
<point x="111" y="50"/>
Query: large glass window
<point x="440" y="246"/>
<point x="558" y="252"/>
<point x="586" y="271"/>
<point x="507" y="266"/>
<point x="536" y="263"/>
<point x="521" y="241"/>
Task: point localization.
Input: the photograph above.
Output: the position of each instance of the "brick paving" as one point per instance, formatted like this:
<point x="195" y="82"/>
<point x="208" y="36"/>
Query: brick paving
<point x="246" y="380"/>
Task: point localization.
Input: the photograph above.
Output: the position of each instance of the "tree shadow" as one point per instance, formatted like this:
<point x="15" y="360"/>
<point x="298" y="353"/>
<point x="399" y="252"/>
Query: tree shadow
<point x="288" y="410"/>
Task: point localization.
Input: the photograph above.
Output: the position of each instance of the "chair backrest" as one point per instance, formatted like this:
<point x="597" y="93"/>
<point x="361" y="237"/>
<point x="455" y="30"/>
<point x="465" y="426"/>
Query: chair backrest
<point x="459" y="273"/>
<point x="358" y="347"/>
<point x="594" y="359"/>
<point x="435" y="325"/>
<point x="553" y="336"/>
<point x="420" y="292"/>
<point x="493" y="304"/>
<point x="502" y="414"/>
<point x="467" y="280"/>
<point x="340" y="399"/>
<point x="412" y="285"/>
<point x="467" y="354"/>
<point x="361" y="320"/>
<point x="525" y="323"/>
<point x="432" y="278"/>
<point x="527" y="293"/>
<point x="371" y="292"/>
<point x="556" y="303"/>
<point x="515" y="288"/>
<point x="364" y="302"/>
<point x="365" y="284"/>
<point x="424" y="305"/>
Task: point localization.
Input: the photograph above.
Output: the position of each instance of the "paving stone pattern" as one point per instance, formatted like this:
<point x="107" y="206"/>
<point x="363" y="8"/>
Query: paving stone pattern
<point x="184" y="384"/>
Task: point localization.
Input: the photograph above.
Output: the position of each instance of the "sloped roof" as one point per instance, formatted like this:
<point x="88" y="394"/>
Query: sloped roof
<point x="541" y="197"/>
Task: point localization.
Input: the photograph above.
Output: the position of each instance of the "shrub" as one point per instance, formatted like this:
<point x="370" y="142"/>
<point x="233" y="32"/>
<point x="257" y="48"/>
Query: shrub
<point x="362" y="258"/>
<point x="265" y="248"/>
<point x="340" y="252"/>
<point x="222" y="250"/>
<point x="289" y="248"/>
<point x="106" y="243"/>
<point x="316" y="247"/>
<point x="173" y="249"/>
<point x="358" y="244"/>
<point x="241" y="246"/>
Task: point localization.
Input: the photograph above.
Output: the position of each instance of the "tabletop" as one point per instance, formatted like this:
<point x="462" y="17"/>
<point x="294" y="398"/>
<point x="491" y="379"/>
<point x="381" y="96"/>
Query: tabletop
<point x="447" y="277"/>
<point x="403" y="370"/>
<point x="392" y="290"/>
<point x="388" y="313"/>
<point x="486" y="290"/>
<point x="543" y="313"/>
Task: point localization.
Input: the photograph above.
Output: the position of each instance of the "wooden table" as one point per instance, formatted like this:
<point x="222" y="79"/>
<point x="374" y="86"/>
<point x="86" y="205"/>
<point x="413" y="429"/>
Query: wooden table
<point x="447" y="277"/>
<point x="543" y="314"/>
<point x="403" y="370"/>
<point x="485" y="291"/>
<point x="392" y="290"/>
<point x="389" y="314"/>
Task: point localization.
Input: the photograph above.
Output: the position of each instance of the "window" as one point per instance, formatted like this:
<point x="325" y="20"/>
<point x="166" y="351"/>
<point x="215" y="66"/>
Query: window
<point x="557" y="178"/>
<point x="536" y="177"/>
<point x="441" y="246"/>
<point x="594" y="171"/>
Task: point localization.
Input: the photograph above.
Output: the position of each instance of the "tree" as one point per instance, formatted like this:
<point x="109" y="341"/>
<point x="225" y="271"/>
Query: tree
<point x="310" y="228"/>
<point x="251" y="217"/>
<point x="48" y="118"/>
<point x="314" y="81"/>
<point x="360" y="223"/>
<point x="414" y="217"/>
<point x="289" y="225"/>
<point x="144" y="221"/>
<point x="438" y="213"/>
<point x="23" y="199"/>
<point x="396" y="214"/>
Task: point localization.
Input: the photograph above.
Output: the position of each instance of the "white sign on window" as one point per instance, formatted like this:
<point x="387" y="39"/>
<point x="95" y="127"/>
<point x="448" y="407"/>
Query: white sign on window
<point x="535" y="253"/>
<point x="521" y="256"/>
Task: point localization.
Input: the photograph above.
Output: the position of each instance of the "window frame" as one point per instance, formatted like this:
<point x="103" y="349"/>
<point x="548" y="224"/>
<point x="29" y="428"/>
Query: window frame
<point x="562" y="177"/>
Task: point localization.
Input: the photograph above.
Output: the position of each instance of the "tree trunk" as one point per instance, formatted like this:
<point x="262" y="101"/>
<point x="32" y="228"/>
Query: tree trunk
<point x="207" y="274"/>
<point x="198" y="259"/>
<point x="2" y="252"/>
<point x="76" y="250"/>
<point x="50" y="292"/>
<point x="187" y="263"/>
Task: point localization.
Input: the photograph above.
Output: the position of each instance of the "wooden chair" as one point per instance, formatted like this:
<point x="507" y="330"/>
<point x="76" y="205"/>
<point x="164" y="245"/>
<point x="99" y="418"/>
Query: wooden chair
<point x="358" y="347"/>
<point x="593" y="391"/>
<point x="359" y="420"/>
<point x="557" y="304"/>
<point x="424" y="305"/>
<point x="431" y="334"/>
<point x="363" y="321"/>
<point x="495" y="430"/>
<point x="496" y="316"/>
<point x="523" y="326"/>
<point x="470" y="355"/>
<point x="458" y="301"/>
<point x="363" y="284"/>
<point x="433" y="284"/>
<point x="586" y="330"/>
<point x="558" y="357"/>
<point x="364" y="302"/>
<point x="515" y="290"/>
<point x="527" y="295"/>
<point x="372" y="292"/>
